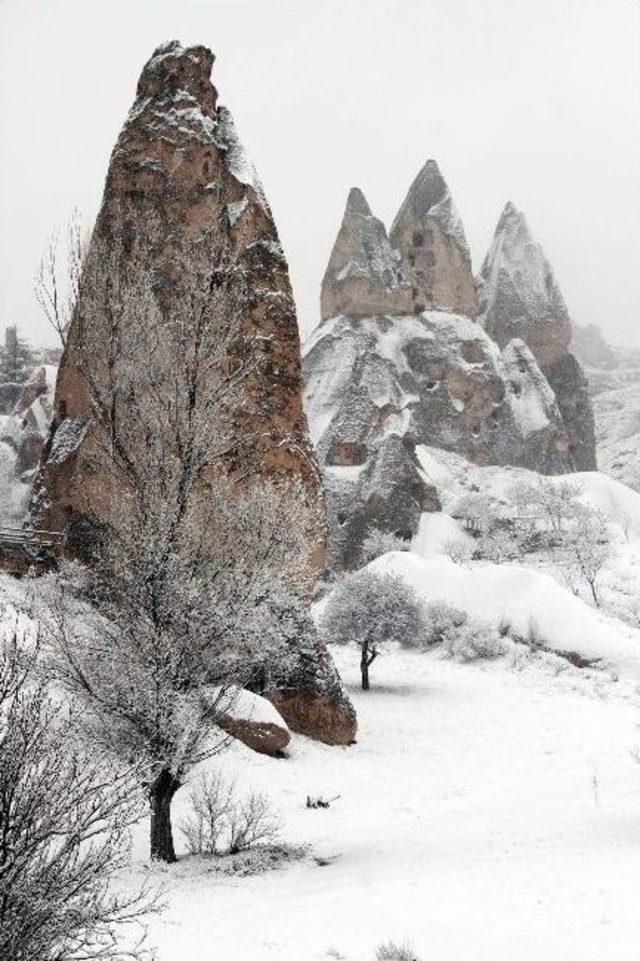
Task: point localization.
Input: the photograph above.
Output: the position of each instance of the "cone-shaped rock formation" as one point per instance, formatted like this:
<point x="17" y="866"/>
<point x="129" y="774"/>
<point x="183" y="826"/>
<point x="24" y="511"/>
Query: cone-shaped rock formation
<point x="363" y="276"/>
<point x="183" y="352"/>
<point x="430" y="236"/>
<point x="520" y="297"/>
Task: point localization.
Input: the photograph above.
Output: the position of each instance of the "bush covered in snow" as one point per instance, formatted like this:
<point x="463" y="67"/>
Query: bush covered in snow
<point x="460" y="638"/>
<point x="373" y="610"/>
<point x="378" y="542"/>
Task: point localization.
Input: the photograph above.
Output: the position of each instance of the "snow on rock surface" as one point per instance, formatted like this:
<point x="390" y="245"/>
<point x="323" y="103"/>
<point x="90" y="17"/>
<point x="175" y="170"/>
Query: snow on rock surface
<point x="363" y="275"/>
<point x="521" y="596"/>
<point x="434" y="378"/>
<point x="429" y="234"/>
<point x="520" y="297"/>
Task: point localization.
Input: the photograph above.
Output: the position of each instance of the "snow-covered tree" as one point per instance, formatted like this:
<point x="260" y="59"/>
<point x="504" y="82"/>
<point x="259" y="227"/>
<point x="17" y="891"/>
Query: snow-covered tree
<point x="587" y="546"/>
<point x="197" y="574"/>
<point x="177" y="633"/>
<point x="373" y="610"/>
<point x="64" y="819"/>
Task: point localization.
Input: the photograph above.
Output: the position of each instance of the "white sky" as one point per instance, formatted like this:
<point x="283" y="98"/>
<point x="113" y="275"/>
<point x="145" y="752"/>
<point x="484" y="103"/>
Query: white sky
<point x="537" y="101"/>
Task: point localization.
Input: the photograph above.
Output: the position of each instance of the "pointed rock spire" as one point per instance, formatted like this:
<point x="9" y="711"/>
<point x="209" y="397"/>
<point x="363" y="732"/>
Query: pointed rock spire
<point x="363" y="276"/>
<point x="184" y="280"/>
<point x="520" y="298"/>
<point x="520" y="294"/>
<point x="429" y="234"/>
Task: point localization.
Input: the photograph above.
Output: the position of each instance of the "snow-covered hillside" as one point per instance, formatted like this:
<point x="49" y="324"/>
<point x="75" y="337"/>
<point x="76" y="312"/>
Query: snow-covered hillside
<point x="485" y="812"/>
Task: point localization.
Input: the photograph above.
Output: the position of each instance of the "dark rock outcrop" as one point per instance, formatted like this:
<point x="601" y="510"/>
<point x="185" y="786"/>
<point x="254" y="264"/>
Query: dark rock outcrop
<point x="520" y="297"/>
<point x="185" y="276"/>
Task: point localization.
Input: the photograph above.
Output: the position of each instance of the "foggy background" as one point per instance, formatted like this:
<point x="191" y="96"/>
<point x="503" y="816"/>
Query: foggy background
<point x="536" y="101"/>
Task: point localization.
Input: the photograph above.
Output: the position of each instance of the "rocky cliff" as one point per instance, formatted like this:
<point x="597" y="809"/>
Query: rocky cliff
<point x="182" y="359"/>
<point x="376" y="387"/>
<point x="520" y="297"/>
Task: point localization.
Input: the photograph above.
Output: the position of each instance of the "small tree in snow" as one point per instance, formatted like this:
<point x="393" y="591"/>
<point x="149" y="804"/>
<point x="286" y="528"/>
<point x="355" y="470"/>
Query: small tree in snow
<point x="374" y="610"/>
<point x="588" y="548"/>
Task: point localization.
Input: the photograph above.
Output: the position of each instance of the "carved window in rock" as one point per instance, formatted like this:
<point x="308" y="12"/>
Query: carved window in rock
<point x="346" y="454"/>
<point x="418" y="238"/>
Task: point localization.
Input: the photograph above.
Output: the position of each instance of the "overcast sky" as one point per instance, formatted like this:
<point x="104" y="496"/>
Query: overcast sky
<point x="536" y="101"/>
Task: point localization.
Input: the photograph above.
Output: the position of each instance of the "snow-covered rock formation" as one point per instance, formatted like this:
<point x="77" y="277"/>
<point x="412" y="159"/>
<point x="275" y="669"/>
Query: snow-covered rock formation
<point x="364" y="274"/>
<point x="186" y="316"/>
<point x="378" y="386"/>
<point x="429" y="234"/>
<point x="400" y="354"/>
<point x="520" y="297"/>
<point x="23" y="434"/>
<point x="613" y="374"/>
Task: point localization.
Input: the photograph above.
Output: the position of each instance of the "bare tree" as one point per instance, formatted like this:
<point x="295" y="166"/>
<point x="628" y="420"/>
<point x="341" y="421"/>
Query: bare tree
<point x="57" y="282"/>
<point x="64" y="820"/>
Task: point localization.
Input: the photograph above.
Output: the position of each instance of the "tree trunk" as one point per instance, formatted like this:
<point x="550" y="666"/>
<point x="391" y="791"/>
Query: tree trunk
<point x="160" y="796"/>
<point x="364" y="667"/>
<point x="593" y="593"/>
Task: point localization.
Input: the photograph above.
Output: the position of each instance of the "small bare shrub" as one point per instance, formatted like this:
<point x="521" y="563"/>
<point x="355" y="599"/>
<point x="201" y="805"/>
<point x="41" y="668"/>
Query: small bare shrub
<point x="396" y="952"/>
<point x="211" y="803"/>
<point x="460" y="551"/>
<point x="474" y="641"/>
<point x="251" y="822"/>
<point x="220" y="823"/>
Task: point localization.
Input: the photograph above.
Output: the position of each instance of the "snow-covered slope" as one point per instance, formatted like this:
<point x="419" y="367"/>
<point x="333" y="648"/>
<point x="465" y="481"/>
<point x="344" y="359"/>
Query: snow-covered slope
<point x="484" y="813"/>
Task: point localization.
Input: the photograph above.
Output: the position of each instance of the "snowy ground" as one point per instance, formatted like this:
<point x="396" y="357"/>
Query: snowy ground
<point x="485" y="813"/>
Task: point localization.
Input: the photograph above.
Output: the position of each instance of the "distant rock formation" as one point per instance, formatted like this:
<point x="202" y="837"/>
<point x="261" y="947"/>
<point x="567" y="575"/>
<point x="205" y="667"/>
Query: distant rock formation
<point x="412" y="351"/>
<point x="377" y="387"/>
<point x="613" y="375"/>
<point x="430" y="237"/>
<point x="590" y="347"/>
<point x="364" y="274"/>
<point x="184" y="225"/>
<point x="520" y="297"/>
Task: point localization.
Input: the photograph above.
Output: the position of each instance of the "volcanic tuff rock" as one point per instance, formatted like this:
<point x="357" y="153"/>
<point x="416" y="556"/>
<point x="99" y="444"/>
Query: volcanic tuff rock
<point x="430" y="237"/>
<point x="520" y="297"/>
<point x="363" y="276"/>
<point x="377" y="387"/>
<point x="613" y="374"/>
<point x="184" y="225"/>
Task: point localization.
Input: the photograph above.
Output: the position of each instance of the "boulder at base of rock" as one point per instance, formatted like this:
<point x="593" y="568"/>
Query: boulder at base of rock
<point x="253" y="720"/>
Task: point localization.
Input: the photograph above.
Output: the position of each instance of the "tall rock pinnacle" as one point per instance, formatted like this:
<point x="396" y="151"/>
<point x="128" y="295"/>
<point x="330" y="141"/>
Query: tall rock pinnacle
<point x="430" y="236"/>
<point x="185" y="316"/>
<point x="520" y="298"/>
<point x="363" y="277"/>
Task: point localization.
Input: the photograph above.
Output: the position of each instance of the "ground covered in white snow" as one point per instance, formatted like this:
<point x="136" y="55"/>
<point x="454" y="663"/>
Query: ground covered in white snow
<point x="488" y="812"/>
